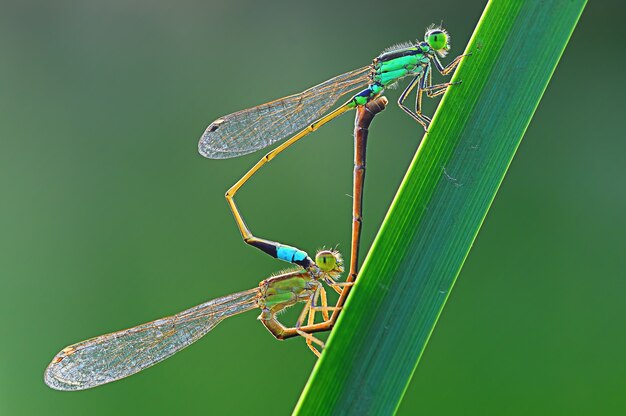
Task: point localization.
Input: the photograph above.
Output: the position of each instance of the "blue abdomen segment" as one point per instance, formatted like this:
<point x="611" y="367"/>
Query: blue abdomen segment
<point x="282" y="252"/>
<point x="290" y="254"/>
<point x="367" y="94"/>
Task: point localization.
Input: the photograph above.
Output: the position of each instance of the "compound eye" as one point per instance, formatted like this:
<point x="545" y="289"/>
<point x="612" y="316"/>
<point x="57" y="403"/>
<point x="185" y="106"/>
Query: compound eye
<point x="326" y="260"/>
<point x="437" y="39"/>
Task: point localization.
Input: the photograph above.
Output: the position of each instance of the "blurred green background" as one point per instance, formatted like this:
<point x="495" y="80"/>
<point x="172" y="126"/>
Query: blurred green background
<point x="109" y="217"/>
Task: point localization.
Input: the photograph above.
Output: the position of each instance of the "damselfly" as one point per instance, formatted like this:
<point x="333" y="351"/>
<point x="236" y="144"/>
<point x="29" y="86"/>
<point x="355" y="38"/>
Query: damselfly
<point x="249" y="130"/>
<point x="120" y="354"/>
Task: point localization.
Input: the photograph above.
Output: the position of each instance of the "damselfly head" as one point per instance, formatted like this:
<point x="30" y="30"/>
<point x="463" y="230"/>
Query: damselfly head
<point x="438" y="39"/>
<point x="329" y="261"/>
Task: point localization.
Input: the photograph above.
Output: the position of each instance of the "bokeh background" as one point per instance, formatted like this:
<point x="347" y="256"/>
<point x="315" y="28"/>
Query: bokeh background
<point x="109" y="217"/>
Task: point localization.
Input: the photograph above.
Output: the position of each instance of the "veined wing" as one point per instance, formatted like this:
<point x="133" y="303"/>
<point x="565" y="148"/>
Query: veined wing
<point x="249" y="130"/>
<point x="117" y="355"/>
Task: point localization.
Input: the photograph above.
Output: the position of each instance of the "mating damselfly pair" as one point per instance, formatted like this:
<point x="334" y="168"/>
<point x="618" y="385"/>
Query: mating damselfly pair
<point x="113" y="356"/>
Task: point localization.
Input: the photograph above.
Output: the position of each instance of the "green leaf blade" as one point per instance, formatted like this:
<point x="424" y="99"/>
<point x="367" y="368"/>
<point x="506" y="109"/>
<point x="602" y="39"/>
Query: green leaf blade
<point x="440" y="206"/>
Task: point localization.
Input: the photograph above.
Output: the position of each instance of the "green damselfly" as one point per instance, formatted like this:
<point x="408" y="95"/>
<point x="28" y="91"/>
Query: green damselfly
<point x="111" y="357"/>
<point x="253" y="129"/>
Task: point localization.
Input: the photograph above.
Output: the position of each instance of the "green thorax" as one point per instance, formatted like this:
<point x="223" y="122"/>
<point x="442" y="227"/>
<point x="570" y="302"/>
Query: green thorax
<point x="396" y="64"/>
<point x="286" y="290"/>
<point x="391" y="66"/>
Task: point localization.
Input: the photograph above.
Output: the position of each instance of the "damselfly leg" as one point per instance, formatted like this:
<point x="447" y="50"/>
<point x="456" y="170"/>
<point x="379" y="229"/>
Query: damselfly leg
<point x="424" y="83"/>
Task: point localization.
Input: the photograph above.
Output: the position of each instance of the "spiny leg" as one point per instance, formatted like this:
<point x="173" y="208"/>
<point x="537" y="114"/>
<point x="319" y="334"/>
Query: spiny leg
<point x="324" y="309"/>
<point x="424" y="85"/>
<point x="280" y="331"/>
<point x="338" y="286"/>
<point x="450" y="67"/>
<point x="437" y="89"/>
<point x="310" y="339"/>
<point x="417" y="116"/>
<point x="272" y="248"/>
<point x="443" y="89"/>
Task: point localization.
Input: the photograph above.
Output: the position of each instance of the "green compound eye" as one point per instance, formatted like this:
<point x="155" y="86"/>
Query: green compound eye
<point x="325" y="260"/>
<point x="437" y="39"/>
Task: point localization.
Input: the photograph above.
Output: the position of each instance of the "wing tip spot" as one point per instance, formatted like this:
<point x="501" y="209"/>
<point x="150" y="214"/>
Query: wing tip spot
<point x="215" y="125"/>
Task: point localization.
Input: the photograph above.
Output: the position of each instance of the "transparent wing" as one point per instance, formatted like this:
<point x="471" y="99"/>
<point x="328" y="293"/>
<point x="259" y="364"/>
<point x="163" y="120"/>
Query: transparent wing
<point x="113" y="356"/>
<point x="249" y="130"/>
